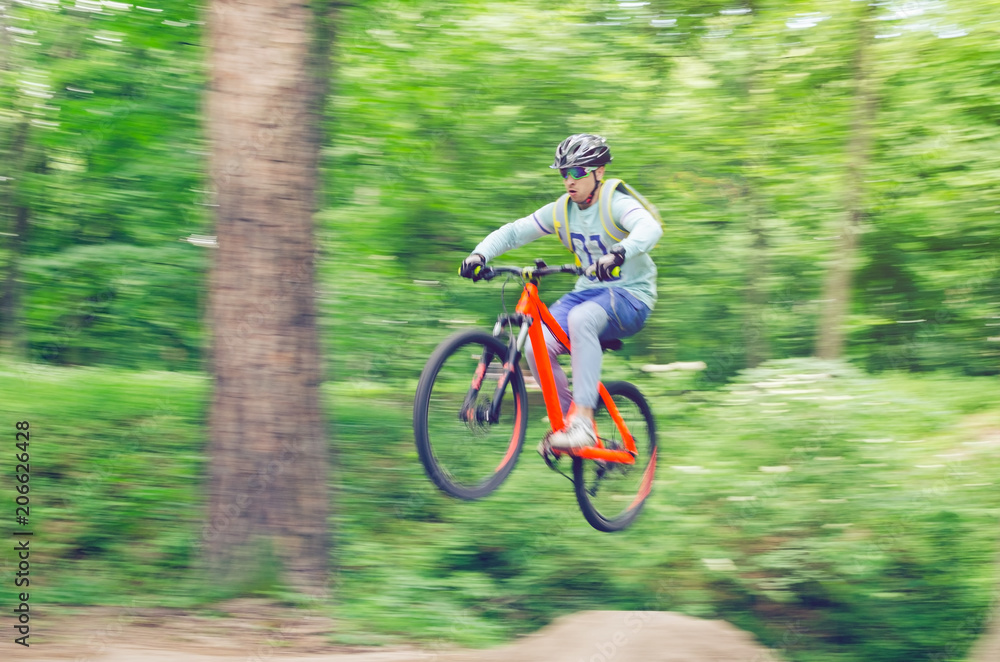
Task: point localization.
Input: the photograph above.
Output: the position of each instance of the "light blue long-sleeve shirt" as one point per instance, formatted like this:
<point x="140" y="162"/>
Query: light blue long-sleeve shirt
<point x="591" y="240"/>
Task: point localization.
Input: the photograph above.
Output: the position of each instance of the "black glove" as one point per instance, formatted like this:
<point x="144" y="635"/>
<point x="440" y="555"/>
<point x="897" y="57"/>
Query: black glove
<point x="608" y="265"/>
<point x="472" y="266"/>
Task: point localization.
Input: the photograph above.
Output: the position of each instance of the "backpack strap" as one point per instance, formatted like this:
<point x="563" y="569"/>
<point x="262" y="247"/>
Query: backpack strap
<point x="560" y="217"/>
<point x="650" y="207"/>
<point x="604" y="199"/>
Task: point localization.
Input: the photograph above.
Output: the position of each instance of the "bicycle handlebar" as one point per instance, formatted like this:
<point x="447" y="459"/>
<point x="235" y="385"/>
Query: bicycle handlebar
<point x="489" y="273"/>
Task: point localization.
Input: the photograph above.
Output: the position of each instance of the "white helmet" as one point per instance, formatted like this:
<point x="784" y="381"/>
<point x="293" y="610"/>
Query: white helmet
<point x="582" y="149"/>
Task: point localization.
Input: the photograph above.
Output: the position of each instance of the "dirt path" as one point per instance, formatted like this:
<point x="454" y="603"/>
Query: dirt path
<point x="988" y="649"/>
<point x="255" y="634"/>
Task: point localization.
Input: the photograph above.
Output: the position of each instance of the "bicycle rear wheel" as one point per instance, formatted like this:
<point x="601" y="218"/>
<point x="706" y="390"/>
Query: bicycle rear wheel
<point x="611" y="494"/>
<point x="463" y="453"/>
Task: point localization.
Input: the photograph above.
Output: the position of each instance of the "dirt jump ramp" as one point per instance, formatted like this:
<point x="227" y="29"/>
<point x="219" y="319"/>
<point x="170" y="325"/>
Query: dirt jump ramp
<point x="628" y="636"/>
<point x="594" y="636"/>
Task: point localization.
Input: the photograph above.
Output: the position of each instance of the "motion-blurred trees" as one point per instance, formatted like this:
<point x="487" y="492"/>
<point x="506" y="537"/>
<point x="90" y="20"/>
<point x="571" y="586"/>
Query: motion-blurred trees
<point x="268" y="493"/>
<point x="107" y="170"/>
<point x="733" y="118"/>
<point x="13" y="211"/>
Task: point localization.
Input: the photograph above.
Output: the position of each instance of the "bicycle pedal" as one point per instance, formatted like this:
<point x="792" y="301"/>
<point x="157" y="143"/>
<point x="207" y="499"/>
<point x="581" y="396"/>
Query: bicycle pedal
<point x="543" y="447"/>
<point x="545" y="450"/>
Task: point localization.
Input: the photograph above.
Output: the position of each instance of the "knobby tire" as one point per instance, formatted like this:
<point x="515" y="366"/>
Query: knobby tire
<point x="623" y="489"/>
<point x="468" y="460"/>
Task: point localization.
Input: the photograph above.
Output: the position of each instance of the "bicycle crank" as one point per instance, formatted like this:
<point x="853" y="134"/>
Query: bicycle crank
<point x="551" y="459"/>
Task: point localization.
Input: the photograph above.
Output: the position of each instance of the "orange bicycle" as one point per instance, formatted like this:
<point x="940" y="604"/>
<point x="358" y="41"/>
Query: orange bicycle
<point x="469" y="438"/>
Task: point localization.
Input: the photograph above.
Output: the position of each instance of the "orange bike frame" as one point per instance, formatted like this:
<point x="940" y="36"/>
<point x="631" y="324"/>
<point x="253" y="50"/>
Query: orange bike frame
<point x="535" y="311"/>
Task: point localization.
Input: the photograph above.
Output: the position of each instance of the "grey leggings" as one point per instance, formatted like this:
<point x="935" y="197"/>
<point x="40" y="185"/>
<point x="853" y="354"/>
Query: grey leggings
<point x="585" y="324"/>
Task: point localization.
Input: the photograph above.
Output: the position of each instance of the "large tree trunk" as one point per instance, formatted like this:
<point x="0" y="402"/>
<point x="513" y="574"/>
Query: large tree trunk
<point x="837" y="285"/>
<point x="268" y="492"/>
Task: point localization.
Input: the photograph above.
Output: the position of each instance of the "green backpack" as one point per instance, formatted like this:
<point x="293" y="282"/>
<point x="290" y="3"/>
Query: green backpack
<point x="560" y="212"/>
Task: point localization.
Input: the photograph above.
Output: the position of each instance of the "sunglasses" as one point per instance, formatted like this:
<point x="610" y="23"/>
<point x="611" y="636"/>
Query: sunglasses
<point x="576" y="172"/>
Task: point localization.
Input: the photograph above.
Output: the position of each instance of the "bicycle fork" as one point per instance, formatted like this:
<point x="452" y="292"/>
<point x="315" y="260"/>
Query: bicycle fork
<point x="483" y="414"/>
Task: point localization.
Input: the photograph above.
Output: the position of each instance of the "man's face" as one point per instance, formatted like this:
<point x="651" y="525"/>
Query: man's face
<point x="580" y="189"/>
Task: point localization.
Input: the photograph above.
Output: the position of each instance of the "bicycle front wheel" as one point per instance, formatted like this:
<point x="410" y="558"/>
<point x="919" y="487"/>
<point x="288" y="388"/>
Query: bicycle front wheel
<point x="612" y="494"/>
<point x="466" y="450"/>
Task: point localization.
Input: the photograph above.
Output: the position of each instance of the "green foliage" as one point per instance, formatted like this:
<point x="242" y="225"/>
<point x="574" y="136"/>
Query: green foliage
<point x="721" y="118"/>
<point x="836" y="515"/>
<point x="109" y="173"/>
<point x="820" y="508"/>
<point x="116" y="303"/>
<point x="116" y="461"/>
<point x="440" y="129"/>
<point x="873" y="505"/>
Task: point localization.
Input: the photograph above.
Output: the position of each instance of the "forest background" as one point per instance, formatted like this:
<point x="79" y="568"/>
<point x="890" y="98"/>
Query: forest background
<point x="801" y="154"/>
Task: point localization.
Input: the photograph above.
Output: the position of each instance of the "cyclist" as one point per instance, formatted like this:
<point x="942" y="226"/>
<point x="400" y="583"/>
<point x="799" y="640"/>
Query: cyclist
<point x="602" y="305"/>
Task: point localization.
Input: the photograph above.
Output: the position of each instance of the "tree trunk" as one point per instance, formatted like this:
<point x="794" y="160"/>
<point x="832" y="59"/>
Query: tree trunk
<point x="13" y="213"/>
<point x="755" y="296"/>
<point x="268" y="491"/>
<point x="837" y="285"/>
<point x="758" y="348"/>
<point x="12" y="341"/>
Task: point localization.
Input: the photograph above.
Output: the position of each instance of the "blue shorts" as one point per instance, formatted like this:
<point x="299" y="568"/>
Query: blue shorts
<point x="626" y="314"/>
